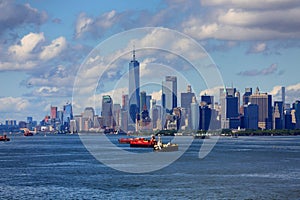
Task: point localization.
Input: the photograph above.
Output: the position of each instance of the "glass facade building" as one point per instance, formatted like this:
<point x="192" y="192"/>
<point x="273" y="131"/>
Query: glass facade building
<point x="134" y="88"/>
<point x="169" y="93"/>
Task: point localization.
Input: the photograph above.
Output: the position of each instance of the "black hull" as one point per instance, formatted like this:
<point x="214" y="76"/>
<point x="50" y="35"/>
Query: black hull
<point x="142" y="146"/>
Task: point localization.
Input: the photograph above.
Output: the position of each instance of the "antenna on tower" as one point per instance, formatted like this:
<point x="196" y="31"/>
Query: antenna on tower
<point x="133" y="52"/>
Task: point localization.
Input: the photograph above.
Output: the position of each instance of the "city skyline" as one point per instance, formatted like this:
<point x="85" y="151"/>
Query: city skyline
<point x="42" y="45"/>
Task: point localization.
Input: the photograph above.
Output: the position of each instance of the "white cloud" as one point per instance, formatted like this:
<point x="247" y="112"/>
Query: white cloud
<point x="13" y="104"/>
<point x="27" y="44"/>
<point x="54" y="49"/>
<point x="11" y="66"/>
<point x="253" y="4"/>
<point x="156" y="95"/>
<point x="258" y="48"/>
<point x="292" y="93"/>
<point x="212" y="92"/>
<point x="82" y="25"/>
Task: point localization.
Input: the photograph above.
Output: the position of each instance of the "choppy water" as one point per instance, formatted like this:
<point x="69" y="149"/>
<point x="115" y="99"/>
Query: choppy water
<point x="59" y="167"/>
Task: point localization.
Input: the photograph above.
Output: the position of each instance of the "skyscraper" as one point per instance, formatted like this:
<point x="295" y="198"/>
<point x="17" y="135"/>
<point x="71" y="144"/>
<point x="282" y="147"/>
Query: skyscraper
<point x="68" y="114"/>
<point x="251" y="116"/>
<point x="134" y="88"/>
<point x="88" y="115"/>
<point x="53" y="112"/>
<point x="143" y="98"/>
<point x="107" y="111"/>
<point x="264" y="102"/>
<point x="205" y="117"/>
<point x="229" y="108"/>
<point x="296" y="106"/>
<point x="169" y="93"/>
<point x="278" y="115"/>
<point x="195" y="114"/>
<point x="209" y="100"/>
<point x="247" y="94"/>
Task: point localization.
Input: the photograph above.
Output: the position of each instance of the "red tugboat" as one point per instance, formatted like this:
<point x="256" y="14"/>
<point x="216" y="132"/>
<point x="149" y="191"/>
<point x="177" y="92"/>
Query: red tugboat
<point x="4" y="138"/>
<point x="128" y="140"/>
<point x="144" y="143"/>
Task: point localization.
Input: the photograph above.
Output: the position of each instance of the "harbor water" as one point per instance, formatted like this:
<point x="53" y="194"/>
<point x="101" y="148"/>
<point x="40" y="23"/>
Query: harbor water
<point x="60" y="167"/>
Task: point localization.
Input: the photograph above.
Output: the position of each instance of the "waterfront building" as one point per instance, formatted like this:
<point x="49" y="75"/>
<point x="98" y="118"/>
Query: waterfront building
<point x="278" y="115"/>
<point x="194" y="114"/>
<point x="205" y="117"/>
<point x="79" y="122"/>
<point x="229" y="108"/>
<point x="251" y="116"/>
<point x="88" y="114"/>
<point x="9" y="122"/>
<point x="73" y="126"/>
<point x="288" y="119"/>
<point x="107" y="111"/>
<point x="134" y="88"/>
<point x="264" y="102"/>
<point x="169" y="93"/>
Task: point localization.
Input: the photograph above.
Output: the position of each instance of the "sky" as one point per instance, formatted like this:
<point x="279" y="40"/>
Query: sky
<point x="44" y="44"/>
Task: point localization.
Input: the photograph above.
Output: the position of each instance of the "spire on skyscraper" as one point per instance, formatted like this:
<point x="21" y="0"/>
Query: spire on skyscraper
<point x="133" y="53"/>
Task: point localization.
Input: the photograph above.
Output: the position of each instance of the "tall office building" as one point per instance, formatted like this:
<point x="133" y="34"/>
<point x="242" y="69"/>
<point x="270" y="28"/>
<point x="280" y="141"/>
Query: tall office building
<point x="246" y="96"/>
<point x="117" y="114"/>
<point x="194" y="114"/>
<point x="88" y="115"/>
<point x="264" y="102"/>
<point x="67" y="113"/>
<point x="229" y="108"/>
<point x="296" y="107"/>
<point x="251" y="116"/>
<point x="169" y="93"/>
<point x="53" y="112"/>
<point x="107" y="111"/>
<point x="186" y="100"/>
<point x="278" y="115"/>
<point x="205" y="117"/>
<point x="134" y="88"/>
<point x="209" y="100"/>
<point x="148" y="100"/>
<point x="143" y="99"/>
<point x="125" y="102"/>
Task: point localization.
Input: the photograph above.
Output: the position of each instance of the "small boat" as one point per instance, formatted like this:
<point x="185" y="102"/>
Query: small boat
<point x="166" y="147"/>
<point x="4" y="138"/>
<point x="201" y="136"/>
<point x="128" y="140"/>
<point x="169" y="147"/>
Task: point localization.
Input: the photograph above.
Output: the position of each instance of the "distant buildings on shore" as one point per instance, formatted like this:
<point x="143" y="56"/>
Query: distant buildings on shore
<point x="138" y="111"/>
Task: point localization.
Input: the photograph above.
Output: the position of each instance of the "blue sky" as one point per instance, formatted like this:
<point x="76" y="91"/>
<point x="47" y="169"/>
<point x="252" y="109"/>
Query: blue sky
<point x="43" y="43"/>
